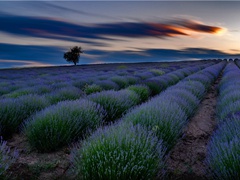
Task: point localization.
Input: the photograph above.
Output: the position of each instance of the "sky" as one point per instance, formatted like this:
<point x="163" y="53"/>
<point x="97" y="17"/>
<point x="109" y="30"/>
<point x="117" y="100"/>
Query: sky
<point x="37" y="33"/>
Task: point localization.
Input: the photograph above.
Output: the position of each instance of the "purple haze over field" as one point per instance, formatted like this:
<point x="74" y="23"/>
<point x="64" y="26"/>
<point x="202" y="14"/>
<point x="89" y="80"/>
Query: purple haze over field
<point x="37" y="33"/>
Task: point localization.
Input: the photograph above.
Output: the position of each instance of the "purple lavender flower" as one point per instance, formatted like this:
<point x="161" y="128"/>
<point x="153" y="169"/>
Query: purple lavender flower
<point x="116" y="103"/>
<point x="14" y="111"/>
<point x="60" y="124"/>
<point x="108" y="85"/>
<point x="7" y="157"/>
<point x="121" y="151"/>
<point x="65" y="93"/>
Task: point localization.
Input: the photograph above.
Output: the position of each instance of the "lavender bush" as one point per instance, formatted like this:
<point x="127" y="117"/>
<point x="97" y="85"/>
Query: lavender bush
<point x="167" y="113"/>
<point x="142" y="90"/>
<point x="14" y="111"/>
<point x="157" y="72"/>
<point x="131" y="80"/>
<point x="184" y="98"/>
<point x="60" y="85"/>
<point x="107" y="85"/>
<point x="4" y="90"/>
<point x="228" y="99"/>
<point x="223" y="157"/>
<point x="20" y="92"/>
<point x="93" y="88"/>
<point x="158" y="84"/>
<point x="7" y="157"/>
<point x="165" y="118"/>
<point x="116" y="103"/>
<point x="81" y="83"/>
<point x="119" y="152"/>
<point x="144" y="75"/>
<point x="66" y="93"/>
<point x="155" y="85"/>
<point x="62" y="123"/>
<point x="180" y="74"/>
<point x="195" y="87"/>
<point x="119" y="80"/>
<point x="42" y="89"/>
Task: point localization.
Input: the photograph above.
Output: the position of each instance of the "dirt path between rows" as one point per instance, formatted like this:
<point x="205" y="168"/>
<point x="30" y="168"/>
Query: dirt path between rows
<point x="32" y="165"/>
<point x="186" y="160"/>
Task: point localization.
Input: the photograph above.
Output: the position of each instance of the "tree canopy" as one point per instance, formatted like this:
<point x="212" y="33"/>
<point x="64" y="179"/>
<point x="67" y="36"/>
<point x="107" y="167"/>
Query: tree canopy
<point x="73" y="54"/>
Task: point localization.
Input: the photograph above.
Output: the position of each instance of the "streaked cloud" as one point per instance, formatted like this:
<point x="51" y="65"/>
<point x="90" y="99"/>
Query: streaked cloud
<point x="57" y="29"/>
<point x="21" y="63"/>
<point x="43" y="54"/>
<point x="158" y="55"/>
<point x="197" y="26"/>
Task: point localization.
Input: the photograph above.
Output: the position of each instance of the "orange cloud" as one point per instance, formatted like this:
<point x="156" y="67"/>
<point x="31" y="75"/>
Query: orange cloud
<point x="197" y="26"/>
<point x="181" y="27"/>
<point x="158" y="29"/>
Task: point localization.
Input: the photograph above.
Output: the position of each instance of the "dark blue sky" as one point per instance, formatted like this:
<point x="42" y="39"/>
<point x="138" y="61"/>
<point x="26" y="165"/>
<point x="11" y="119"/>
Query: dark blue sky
<point x="37" y="33"/>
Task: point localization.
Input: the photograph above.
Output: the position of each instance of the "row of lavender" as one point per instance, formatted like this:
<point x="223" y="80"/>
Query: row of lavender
<point x="69" y="73"/>
<point x="60" y="81"/>
<point x="88" y="111"/>
<point x="13" y="111"/>
<point x="135" y="147"/>
<point x="223" y="157"/>
<point x="71" y="120"/>
<point x="44" y="80"/>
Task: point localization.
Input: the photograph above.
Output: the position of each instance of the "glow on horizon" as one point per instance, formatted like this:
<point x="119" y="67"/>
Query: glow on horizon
<point x="25" y="63"/>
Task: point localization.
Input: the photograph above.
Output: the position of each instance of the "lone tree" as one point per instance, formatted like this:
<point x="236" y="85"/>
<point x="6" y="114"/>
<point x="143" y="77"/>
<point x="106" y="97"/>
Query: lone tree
<point x="73" y="54"/>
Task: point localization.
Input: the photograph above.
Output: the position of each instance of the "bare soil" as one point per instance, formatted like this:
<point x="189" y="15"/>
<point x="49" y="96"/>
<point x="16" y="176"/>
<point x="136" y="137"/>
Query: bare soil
<point x="32" y="165"/>
<point x="186" y="160"/>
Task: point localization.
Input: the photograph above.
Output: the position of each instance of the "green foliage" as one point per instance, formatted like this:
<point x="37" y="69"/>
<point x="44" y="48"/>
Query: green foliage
<point x="142" y="90"/>
<point x="121" y="81"/>
<point x="122" y="67"/>
<point x="65" y="93"/>
<point x="157" y="72"/>
<point x="14" y="111"/>
<point x="164" y="65"/>
<point x="164" y="118"/>
<point x="132" y="79"/>
<point x="119" y="152"/>
<point x="156" y="86"/>
<point x="89" y="89"/>
<point x="19" y="92"/>
<point x="62" y="123"/>
<point x="224" y="150"/>
<point x="116" y="103"/>
<point x="81" y="83"/>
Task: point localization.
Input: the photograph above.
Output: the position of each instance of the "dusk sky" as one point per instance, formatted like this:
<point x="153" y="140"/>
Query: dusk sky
<point x="37" y="33"/>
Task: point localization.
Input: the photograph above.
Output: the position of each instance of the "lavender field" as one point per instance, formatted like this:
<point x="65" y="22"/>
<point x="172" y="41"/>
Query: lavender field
<point x="121" y="121"/>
